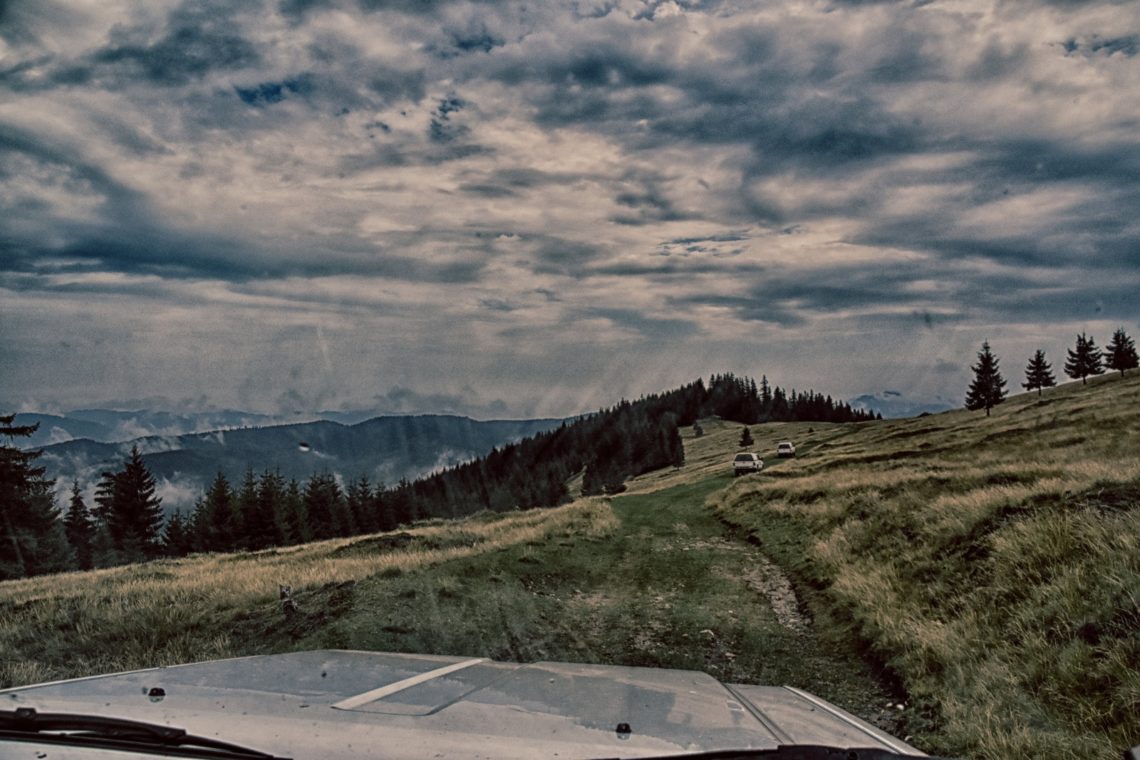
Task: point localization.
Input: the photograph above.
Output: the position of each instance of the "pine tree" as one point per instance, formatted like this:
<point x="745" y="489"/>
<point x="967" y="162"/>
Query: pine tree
<point x="80" y="528"/>
<point x="1120" y="353"/>
<point x="1038" y="373"/>
<point x="323" y="505"/>
<point x="1084" y="359"/>
<point x="746" y="438"/>
<point x="359" y="500"/>
<point x="263" y="526"/>
<point x="988" y="388"/>
<point x="177" y="538"/>
<point x="245" y="509"/>
<point x="32" y="540"/>
<point x="215" y="519"/>
<point x="128" y="506"/>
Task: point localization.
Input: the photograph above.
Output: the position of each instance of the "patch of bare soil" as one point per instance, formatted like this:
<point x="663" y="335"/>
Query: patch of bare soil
<point x="767" y="579"/>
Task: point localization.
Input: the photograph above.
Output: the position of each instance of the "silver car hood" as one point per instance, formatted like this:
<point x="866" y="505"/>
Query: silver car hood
<point x="347" y="704"/>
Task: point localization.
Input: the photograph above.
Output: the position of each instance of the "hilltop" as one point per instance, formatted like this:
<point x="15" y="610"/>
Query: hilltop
<point x="981" y="572"/>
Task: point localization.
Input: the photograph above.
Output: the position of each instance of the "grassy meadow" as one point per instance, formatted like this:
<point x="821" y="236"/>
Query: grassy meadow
<point x="189" y="609"/>
<point x="651" y="577"/>
<point x="985" y="571"/>
<point x="991" y="564"/>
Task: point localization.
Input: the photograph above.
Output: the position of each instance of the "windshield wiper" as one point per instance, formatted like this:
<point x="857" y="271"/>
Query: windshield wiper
<point x="25" y="724"/>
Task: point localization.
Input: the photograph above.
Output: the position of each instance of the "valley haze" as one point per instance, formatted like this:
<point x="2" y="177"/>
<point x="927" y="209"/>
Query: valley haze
<point x="185" y="450"/>
<point x="385" y="450"/>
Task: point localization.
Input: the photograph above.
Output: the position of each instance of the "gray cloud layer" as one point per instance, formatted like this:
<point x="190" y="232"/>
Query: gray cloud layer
<point x="528" y="208"/>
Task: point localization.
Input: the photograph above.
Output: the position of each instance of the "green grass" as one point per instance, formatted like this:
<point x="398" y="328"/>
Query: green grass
<point x="664" y="589"/>
<point x="991" y="564"/>
<point x="989" y="567"/>
<point x="647" y="578"/>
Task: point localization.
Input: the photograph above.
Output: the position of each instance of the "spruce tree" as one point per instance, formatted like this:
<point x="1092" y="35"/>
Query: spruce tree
<point x="1038" y="373"/>
<point x="263" y="526"/>
<point x="245" y="511"/>
<point x="324" y="504"/>
<point x="765" y="394"/>
<point x="216" y="518"/>
<point x="177" y="537"/>
<point x="1120" y="353"/>
<point x="359" y="500"/>
<point x="131" y="510"/>
<point x="32" y="540"/>
<point x="291" y="516"/>
<point x="746" y="438"/>
<point x="1084" y="359"/>
<point x="988" y="387"/>
<point x="80" y="528"/>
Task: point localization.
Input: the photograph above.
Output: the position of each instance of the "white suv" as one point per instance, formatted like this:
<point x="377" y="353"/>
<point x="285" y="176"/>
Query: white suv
<point x="746" y="463"/>
<point x="785" y="449"/>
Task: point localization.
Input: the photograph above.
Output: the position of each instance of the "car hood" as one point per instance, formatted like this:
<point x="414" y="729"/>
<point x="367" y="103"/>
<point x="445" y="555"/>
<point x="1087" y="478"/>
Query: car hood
<point x="341" y="704"/>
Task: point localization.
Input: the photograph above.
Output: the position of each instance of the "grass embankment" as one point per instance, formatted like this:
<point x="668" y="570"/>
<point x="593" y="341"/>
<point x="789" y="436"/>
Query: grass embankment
<point x="992" y="564"/>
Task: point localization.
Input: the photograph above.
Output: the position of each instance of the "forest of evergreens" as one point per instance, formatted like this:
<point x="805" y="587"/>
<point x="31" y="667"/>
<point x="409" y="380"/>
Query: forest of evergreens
<point x="266" y="510"/>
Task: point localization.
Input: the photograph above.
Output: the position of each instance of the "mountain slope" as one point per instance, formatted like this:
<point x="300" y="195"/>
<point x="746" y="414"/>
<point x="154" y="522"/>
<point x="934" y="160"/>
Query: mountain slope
<point x="113" y="425"/>
<point x="892" y="404"/>
<point x="992" y="564"/>
<point x="382" y="449"/>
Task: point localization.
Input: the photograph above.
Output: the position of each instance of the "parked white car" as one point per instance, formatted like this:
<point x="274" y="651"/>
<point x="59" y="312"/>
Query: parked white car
<point x="785" y="449"/>
<point x="746" y="463"/>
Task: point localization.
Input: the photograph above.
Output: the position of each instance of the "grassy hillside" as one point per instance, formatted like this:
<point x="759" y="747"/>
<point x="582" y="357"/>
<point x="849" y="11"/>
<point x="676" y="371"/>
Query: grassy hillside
<point x="172" y="611"/>
<point x="993" y="564"/>
<point x="647" y="578"/>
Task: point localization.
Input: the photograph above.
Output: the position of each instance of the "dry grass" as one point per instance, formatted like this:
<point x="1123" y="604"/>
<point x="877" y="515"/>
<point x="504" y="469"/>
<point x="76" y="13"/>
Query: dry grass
<point x="179" y="610"/>
<point x="993" y="564"/>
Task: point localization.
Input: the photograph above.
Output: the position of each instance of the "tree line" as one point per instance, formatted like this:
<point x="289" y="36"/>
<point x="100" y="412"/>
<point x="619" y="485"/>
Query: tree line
<point x="125" y="524"/>
<point x="1084" y="360"/>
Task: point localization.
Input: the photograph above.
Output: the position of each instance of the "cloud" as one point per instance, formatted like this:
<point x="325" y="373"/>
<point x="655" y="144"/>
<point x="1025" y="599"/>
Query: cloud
<point x="403" y="400"/>
<point x="296" y="202"/>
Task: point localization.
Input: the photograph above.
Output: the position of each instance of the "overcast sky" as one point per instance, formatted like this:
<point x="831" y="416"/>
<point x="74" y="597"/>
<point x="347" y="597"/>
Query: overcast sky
<point x="513" y="209"/>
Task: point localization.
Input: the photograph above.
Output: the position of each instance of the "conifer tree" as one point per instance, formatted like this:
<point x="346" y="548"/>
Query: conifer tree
<point x="746" y="438"/>
<point x="1120" y="353"/>
<point x="177" y="538"/>
<point x="988" y="387"/>
<point x="262" y="525"/>
<point x="323" y="505"/>
<point x="215" y="517"/>
<point x="1038" y="373"/>
<point x="245" y="509"/>
<point x="80" y="528"/>
<point x="1084" y="359"/>
<point x="128" y="506"/>
<point x="359" y="500"/>
<point x="292" y="517"/>
<point x="32" y="540"/>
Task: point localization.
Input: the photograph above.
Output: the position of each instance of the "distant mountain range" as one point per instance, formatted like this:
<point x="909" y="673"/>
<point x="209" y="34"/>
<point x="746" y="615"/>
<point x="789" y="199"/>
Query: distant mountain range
<point x="113" y="425"/>
<point x="893" y="404"/>
<point x="185" y="451"/>
<point x="384" y="449"/>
